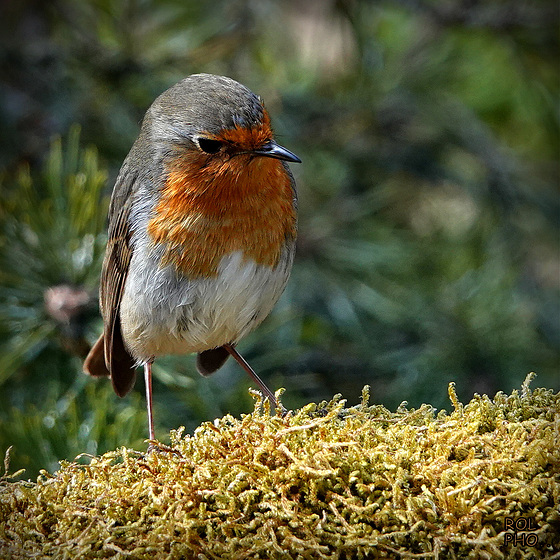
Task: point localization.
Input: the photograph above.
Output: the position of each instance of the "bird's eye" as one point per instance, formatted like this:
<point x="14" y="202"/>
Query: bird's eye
<point x="209" y="146"/>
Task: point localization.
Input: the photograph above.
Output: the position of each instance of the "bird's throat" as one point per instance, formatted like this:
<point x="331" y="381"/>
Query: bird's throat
<point x="211" y="207"/>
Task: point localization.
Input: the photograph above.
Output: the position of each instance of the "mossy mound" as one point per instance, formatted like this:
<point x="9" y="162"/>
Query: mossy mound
<point x="323" y="482"/>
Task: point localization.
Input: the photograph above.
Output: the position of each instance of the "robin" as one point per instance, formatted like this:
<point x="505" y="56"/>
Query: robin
<point x="202" y="230"/>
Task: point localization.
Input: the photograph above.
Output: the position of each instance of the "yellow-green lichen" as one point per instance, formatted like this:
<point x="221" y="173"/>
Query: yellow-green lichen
<point x="323" y="482"/>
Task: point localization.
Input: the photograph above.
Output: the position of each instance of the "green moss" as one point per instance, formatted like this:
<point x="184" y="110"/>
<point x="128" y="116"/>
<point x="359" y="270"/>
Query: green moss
<point x="326" y="481"/>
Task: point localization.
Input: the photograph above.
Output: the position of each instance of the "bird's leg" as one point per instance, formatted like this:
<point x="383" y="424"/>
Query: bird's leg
<point x="245" y="365"/>
<point x="153" y="446"/>
<point x="149" y="403"/>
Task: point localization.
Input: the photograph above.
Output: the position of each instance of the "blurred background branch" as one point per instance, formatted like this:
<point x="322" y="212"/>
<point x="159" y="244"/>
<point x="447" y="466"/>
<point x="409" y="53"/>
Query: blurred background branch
<point x="428" y="247"/>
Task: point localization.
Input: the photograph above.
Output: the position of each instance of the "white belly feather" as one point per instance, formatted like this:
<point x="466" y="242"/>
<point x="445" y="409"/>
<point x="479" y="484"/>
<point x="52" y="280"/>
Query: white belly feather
<point x="163" y="313"/>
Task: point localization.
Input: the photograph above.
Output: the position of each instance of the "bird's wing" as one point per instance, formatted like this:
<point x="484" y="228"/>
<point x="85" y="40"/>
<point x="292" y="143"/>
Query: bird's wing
<point x="116" y="264"/>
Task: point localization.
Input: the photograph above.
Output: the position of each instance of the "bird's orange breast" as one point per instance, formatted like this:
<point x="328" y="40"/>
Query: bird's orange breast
<point x="212" y="206"/>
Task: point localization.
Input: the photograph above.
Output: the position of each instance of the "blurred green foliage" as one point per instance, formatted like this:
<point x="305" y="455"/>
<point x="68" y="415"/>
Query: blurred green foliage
<point x="429" y="207"/>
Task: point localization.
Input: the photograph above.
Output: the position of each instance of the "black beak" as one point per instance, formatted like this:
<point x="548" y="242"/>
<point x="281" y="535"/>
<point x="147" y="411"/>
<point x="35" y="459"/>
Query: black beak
<point x="274" y="150"/>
